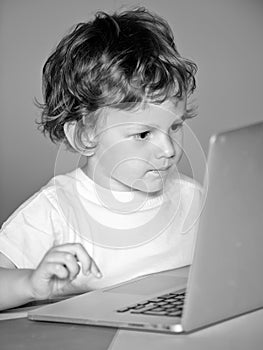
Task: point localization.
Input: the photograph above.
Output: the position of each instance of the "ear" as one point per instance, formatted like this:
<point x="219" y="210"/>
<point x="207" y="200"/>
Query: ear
<point x="70" y="130"/>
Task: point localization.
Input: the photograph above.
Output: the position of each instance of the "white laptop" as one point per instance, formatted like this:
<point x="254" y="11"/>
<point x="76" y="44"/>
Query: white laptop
<point x="225" y="279"/>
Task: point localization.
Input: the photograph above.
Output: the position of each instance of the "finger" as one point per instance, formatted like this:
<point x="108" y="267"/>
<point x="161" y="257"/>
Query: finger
<point x="51" y="269"/>
<point x="88" y="264"/>
<point x="67" y="259"/>
<point x="95" y="269"/>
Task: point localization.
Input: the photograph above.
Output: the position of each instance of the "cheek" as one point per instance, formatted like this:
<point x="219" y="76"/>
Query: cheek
<point x="130" y="169"/>
<point x="178" y="140"/>
<point x="178" y="137"/>
<point x="122" y="156"/>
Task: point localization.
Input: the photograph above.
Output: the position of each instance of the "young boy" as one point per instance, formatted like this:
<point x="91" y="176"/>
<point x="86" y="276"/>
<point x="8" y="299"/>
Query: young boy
<point x="115" y="91"/>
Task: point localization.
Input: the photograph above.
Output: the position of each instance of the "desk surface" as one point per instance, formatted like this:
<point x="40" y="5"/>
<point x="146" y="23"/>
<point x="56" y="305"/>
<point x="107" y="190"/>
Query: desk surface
<point x="244" y="332"/>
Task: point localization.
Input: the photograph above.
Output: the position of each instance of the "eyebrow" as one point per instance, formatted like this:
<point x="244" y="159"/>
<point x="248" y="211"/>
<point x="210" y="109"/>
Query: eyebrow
<point x="187" y="115"/>
<point x="134" y="126"/>
<point x="182" y="118"/>
<point x="143" y="126"/>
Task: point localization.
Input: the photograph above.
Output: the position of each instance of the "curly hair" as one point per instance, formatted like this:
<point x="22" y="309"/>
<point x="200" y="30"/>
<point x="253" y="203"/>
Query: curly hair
<point x="117" y="60"/>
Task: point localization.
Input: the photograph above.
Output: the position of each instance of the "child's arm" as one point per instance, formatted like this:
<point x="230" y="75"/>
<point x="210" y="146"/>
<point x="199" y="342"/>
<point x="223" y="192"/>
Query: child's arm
<point x="55" y="272"/>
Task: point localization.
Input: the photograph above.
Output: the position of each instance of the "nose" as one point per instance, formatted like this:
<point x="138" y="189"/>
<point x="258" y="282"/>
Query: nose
<point x="165" y="147"/>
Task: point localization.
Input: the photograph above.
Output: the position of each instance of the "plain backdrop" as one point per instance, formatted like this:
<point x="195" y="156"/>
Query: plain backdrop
<point x="224" y="37"/>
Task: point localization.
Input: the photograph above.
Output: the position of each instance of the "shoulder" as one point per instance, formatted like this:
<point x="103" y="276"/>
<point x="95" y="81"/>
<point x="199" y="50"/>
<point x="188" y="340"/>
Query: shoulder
<point x="43" y="204"/>
<point x="32" y="229"/>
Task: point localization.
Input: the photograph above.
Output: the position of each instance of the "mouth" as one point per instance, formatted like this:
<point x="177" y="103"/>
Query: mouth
<point x="160" y="170"/>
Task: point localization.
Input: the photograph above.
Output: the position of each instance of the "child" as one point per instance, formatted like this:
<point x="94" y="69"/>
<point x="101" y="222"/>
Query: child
<point x="115" y="91"/>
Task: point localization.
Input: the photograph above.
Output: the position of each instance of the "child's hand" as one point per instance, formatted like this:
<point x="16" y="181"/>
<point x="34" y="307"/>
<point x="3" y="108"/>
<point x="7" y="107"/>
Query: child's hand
<point x="59" y="267"/>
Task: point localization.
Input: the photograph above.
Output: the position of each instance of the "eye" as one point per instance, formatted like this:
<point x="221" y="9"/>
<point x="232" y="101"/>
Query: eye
<point x="143" y="135"/>
<point x="176" y="126"/>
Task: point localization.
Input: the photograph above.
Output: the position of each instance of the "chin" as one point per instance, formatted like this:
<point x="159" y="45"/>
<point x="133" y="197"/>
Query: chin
<point x="151" y="188"/>
<point x="150" y="185"/>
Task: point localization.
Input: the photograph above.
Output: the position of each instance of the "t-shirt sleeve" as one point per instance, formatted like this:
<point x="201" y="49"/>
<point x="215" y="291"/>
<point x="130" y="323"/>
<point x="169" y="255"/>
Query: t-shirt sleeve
<point x="30" y="231"/>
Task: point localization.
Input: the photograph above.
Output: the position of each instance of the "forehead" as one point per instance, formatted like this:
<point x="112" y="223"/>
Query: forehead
<point x="158" y="115"/>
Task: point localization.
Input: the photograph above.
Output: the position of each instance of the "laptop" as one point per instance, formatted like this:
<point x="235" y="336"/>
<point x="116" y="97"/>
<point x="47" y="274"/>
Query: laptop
<point x="225" y="279"/>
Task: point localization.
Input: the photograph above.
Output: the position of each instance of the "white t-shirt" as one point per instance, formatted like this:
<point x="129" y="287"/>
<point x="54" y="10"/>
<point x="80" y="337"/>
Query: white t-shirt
<point x="126" y="236"/>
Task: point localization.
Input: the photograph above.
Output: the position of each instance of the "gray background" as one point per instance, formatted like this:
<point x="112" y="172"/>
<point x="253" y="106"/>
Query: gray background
<point x="224" y="37"/>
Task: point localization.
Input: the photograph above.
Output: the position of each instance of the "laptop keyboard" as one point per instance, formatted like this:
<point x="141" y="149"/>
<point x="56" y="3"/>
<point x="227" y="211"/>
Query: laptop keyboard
<point x="170" y="304"/>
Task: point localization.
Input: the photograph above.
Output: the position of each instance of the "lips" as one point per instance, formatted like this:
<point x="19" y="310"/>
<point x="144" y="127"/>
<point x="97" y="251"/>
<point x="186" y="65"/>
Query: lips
<point x="162" y="169"/>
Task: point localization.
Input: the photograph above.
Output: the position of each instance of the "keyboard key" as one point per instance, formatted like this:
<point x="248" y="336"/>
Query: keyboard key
<point x="170" y="304"/>
<point x="155" y="313"/>
<point x="123" y="309"/>
<point x="175" y="314"/>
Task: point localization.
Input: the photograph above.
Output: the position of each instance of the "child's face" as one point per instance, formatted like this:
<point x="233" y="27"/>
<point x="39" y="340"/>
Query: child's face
<point x="138" y="149"/>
